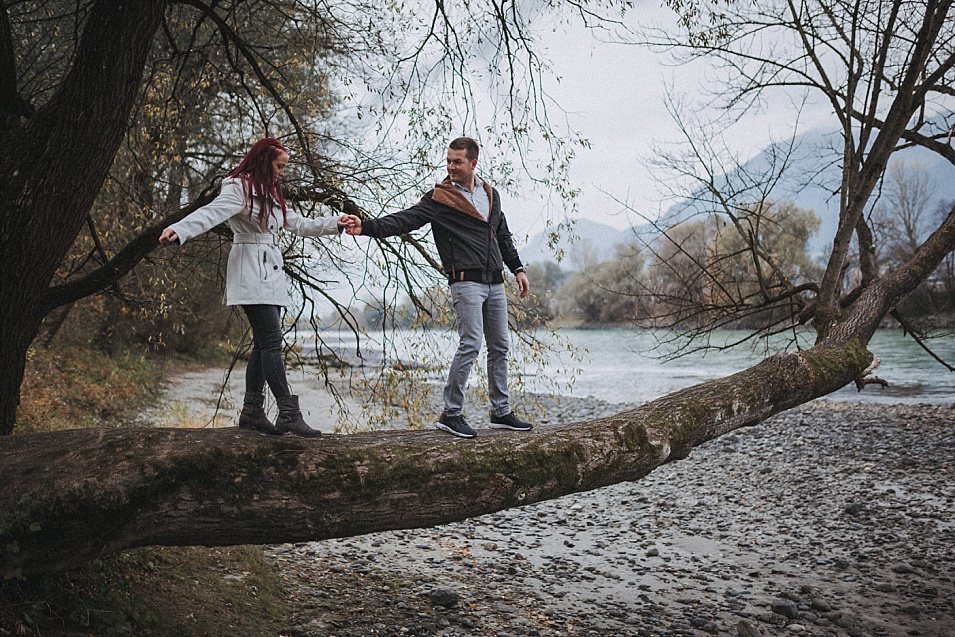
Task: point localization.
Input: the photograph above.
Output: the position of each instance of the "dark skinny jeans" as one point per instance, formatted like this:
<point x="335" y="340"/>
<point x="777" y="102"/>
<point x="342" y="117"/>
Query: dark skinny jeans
<point x="266" y="364"/>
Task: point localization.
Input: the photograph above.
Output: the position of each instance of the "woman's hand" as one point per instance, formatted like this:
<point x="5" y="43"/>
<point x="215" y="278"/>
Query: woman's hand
<point x="168" y="236"/>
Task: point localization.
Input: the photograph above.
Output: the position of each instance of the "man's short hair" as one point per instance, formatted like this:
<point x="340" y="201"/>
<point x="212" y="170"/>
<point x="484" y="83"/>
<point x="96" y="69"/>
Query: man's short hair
<point x="466" y="144"/>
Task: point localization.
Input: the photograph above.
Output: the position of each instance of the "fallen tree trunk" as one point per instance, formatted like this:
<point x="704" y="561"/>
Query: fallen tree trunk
<point x="81" y="494"/>
<point x="76" y="495"/>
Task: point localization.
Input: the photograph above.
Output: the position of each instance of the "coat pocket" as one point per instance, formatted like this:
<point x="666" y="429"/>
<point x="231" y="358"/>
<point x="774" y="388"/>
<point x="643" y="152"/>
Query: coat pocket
<point x="270" y="264"/>
<point x="263" y="265"/>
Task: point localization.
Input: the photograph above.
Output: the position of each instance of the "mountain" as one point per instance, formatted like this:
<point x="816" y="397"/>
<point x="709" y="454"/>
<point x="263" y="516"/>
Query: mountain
<point x="810" y="182"/>
<point x="812" y="179"/>
<point x="587" y="242"/>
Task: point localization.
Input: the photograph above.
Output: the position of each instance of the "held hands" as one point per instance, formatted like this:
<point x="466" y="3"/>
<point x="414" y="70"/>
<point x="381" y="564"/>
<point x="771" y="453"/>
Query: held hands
<point x="523" y="284"/>
<point x="350" y="224"/>
<point x="168" y="236"/>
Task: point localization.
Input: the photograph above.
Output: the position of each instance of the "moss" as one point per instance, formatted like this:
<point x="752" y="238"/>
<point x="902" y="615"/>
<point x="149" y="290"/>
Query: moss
<point x="358" y="474"/>
<point x="836" y="365"/>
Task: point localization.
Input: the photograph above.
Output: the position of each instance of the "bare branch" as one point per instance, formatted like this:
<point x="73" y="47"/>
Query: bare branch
<point x="918" y="338"/>
<point x="120" y="265"/>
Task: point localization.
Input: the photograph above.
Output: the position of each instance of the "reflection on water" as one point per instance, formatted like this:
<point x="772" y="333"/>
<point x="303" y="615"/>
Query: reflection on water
<point x="623" y="365"/>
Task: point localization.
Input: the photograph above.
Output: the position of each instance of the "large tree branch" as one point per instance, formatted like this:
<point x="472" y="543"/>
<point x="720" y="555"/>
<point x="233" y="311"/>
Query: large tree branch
<point x="86" y="493"/>
<point x="932" y="143"/>
<point x="876" y="301"/>
<point x="122" y="263"/>
<point x="112" y="270"/>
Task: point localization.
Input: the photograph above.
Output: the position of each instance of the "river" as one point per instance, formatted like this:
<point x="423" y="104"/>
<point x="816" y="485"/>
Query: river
<point x="627" y="365"/>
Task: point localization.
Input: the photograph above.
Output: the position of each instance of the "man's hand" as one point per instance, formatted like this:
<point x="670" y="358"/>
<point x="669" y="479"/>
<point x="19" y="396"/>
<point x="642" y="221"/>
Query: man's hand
<point x="523" y="284"/>
<point x="351" y="224"/>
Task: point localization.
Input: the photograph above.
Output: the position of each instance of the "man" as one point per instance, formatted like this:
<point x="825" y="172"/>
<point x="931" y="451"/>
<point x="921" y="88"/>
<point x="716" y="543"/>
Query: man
<point x="474" y="244"/>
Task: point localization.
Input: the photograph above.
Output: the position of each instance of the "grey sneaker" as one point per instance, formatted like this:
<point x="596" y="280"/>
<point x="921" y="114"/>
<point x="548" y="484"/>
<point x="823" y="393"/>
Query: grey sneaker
<point x="510" y="421"/>
<point x="455" y="425"/>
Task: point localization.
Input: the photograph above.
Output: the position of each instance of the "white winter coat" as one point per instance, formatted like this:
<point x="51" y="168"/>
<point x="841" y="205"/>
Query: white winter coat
<point x="254" y="275"/>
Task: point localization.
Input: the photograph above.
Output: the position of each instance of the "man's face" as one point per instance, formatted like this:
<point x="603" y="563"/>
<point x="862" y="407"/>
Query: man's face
<point x="460" y="168"/>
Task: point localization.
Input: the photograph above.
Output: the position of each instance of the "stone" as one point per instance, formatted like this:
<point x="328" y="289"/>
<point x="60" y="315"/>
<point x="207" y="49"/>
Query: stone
<point x="785" y="607"/>
<point x="746" y="629"/>
<point x="445" y="597"/>
<point x="820" y="605"/>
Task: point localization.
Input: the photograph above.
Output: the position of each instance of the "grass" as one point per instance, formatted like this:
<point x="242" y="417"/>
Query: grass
<point x="77" y="387"/>
<point x="148" y="592"/>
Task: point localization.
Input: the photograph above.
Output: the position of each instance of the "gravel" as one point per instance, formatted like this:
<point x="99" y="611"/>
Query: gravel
<point x="829" y="519"/>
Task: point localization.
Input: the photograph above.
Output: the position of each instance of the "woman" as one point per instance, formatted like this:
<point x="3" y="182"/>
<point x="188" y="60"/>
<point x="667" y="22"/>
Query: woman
<point x="251" y="202"/>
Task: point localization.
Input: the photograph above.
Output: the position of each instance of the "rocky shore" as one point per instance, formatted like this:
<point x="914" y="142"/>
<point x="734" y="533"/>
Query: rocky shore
<point x="831" y="519"/>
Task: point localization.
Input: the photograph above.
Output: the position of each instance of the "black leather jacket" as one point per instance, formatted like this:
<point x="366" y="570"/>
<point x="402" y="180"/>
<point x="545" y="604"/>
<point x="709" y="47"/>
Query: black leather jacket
<point x="470" y="247"/>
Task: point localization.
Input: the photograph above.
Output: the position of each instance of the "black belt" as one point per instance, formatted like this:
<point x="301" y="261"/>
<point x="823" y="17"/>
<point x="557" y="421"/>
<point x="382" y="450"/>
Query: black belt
<point x="478" y="276"/>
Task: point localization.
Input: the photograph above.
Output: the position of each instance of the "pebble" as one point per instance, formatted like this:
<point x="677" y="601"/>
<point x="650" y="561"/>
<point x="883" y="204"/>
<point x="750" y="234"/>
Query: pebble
<point x="785" y="607"/>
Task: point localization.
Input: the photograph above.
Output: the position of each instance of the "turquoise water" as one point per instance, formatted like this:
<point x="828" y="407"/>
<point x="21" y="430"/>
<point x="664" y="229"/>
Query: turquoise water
<point x="624" y="365"/>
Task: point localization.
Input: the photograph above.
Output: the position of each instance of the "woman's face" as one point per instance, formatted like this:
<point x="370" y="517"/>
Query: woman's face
<point x="278" y="166"/>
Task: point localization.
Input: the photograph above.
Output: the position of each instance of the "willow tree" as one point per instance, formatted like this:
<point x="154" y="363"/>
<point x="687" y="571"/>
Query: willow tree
<point x="74" y="495"/>
<point x="129" y="133"/>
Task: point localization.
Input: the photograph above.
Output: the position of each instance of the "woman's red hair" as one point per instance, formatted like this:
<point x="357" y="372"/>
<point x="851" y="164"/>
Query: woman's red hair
<point x="258" y="178"/>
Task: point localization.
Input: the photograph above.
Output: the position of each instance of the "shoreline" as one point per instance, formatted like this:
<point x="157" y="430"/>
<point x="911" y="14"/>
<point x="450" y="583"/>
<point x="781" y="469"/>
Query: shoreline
<point x="203" y="398"/>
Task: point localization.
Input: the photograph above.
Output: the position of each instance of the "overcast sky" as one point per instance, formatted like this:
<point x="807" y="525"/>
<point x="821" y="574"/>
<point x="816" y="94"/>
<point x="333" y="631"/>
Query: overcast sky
<point x="615" y="96"/>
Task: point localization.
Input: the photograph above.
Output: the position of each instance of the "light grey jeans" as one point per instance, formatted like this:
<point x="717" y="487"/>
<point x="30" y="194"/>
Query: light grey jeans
<point x="481" y="313"/>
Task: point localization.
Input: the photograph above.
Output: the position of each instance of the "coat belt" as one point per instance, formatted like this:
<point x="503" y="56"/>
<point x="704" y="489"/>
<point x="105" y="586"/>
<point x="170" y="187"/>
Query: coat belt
<point x="267" y="239"/>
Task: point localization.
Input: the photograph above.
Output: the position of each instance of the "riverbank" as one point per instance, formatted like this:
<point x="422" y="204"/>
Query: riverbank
<point x="830" y="519"/>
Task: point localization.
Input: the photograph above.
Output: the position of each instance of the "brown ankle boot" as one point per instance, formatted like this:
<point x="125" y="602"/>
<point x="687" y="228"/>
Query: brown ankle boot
<point x="290" y="418"/>
<point x="253" y="415"/>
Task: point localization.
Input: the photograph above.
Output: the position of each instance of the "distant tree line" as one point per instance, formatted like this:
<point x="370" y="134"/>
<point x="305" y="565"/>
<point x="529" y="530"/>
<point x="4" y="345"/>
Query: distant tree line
<point x="692" y="272"/>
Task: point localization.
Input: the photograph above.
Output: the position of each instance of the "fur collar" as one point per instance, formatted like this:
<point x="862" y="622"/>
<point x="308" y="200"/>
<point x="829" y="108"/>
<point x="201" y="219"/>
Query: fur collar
<point x="445" y="193"/>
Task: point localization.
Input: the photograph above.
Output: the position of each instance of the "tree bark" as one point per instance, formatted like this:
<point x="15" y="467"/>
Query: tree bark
<point x="61" y="158"/>
<point x="85" y="493"/>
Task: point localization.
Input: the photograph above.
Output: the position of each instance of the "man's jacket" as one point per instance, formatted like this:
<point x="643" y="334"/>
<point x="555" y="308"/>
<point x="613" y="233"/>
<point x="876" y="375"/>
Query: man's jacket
<point x="470" y="247"/>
